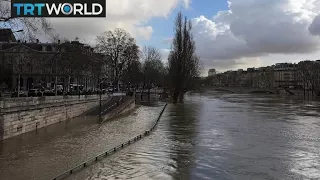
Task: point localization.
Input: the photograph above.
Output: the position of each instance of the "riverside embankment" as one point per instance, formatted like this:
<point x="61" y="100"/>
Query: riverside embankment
<point x="276" y="91"/>
<point x="26" y="114"/>
<point x="59" y="147"/>
<point x="216" y="135"/>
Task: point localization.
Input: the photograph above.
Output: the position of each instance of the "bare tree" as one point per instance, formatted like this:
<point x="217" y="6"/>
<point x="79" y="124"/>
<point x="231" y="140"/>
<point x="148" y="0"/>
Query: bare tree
<point x="120" y="47"/>
<point x="305" y="74"/>
<point x="18" y="59"/>
<point x="5" y="73"/>
<point x="184" y="64"/>
<point x="153" y="69"/>
<point x="74" y="60"/>
<point x="133" y="74"/>
<point x="30" y="26"/>
<point x="150" y="53"/>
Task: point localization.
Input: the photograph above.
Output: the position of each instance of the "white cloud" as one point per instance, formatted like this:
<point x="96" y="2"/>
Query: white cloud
<point x="164" y="55"/>
<point x="187" y="3"/>
<point x="257" y="28"/>
<point x="130" y="15"/>
<point x="145" y="32"/>
<point x="167" y="41"/>
<point x="315" y="26"/>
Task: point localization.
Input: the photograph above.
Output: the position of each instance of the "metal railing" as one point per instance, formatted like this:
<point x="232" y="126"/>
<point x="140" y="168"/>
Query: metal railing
<point x="111" y="151"/>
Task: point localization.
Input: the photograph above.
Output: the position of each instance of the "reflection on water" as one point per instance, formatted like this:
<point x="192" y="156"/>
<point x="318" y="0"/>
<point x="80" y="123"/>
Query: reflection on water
<point x="211" y="136"/>
<point x="223" y="136"/>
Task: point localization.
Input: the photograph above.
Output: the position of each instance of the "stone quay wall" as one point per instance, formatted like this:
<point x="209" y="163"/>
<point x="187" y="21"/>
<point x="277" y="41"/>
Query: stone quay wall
<point x="122" y="109"/>
<point x="25" y="114"/>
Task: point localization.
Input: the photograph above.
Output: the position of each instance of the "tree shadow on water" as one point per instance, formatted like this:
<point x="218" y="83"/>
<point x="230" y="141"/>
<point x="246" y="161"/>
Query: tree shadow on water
<point x="182" y="131"/>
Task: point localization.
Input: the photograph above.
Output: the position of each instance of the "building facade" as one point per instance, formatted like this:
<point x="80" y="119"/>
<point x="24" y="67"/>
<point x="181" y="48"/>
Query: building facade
<point x="46" y="64"/>
<point x="286" y="75"/>
<point x="212" y="72"/>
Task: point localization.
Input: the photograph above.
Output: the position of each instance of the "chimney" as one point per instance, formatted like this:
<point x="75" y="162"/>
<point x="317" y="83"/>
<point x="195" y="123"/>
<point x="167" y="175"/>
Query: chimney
<point x="37" y="41"/>
<point x="59" y="41"/>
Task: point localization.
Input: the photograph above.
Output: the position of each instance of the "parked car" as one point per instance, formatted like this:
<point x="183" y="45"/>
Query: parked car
<point x="110" y="90"/>
<point x="60" y="92"/>
<point x="34" y="93"/>
<point x="21" y="94"/>
<point x="49" y="92"/>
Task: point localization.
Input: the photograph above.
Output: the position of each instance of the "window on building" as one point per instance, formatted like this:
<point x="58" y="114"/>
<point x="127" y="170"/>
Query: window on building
<point x="53" y="70"/>
<point x="49" y="48"/>
<point x="30" y="68"/>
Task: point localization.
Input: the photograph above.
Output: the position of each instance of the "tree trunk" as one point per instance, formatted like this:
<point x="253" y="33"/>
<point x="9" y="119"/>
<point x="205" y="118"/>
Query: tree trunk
<point x="69" y="82"/>
<point x="78" y="87"/>
<point x="141" y="95"/>
<point x="18" y="88"/>
<point x="181" y="97"/>
<point x="175" y="96"/>
<point x="304" y="90"/>
<point x="55" y="88"/>
<point x="86" y="79"/>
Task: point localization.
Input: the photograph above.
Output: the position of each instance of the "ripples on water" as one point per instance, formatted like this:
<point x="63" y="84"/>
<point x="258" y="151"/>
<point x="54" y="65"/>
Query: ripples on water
<point x="223" y="136"/>
<point x="211" y="136"/>
<point x="57" y="148"/>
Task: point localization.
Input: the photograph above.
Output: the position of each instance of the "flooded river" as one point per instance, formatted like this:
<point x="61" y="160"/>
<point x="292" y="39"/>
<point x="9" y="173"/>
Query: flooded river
<point x="223" y="136"/>
<point x="212" y="135"/>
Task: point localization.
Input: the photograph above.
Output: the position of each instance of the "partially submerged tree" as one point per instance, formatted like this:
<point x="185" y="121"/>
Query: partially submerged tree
<point x="308" y="72"/>
<point x="184" y="64"/>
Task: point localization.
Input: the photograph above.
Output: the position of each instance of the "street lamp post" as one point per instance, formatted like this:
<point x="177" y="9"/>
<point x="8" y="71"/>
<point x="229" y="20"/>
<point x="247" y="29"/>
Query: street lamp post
<point x="21" y="30"/>
<point x="100" y="99"/>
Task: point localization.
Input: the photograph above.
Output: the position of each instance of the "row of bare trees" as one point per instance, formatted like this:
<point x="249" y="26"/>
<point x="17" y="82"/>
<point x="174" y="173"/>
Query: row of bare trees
<point x="309" y="75"/>
<point x="129" y="64"/>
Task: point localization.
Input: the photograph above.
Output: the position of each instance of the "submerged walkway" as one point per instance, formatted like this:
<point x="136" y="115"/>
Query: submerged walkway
<point x="52" y="150"/>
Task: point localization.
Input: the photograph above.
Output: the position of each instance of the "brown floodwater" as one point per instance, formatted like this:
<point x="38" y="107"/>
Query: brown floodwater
<point x="223" y="137"/>
<point x="213" y="135"/>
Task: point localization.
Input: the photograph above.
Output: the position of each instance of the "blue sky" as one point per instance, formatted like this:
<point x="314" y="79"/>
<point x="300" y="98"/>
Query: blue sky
<point x="163" y="27"/>
<point x="247" y="33"/>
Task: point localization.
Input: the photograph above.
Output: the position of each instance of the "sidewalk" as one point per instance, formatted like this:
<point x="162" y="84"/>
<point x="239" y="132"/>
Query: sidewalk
<point x="106" y="107"/>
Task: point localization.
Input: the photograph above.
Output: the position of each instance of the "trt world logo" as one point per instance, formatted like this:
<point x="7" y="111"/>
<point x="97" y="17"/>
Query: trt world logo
<point x="58" y="8"/>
